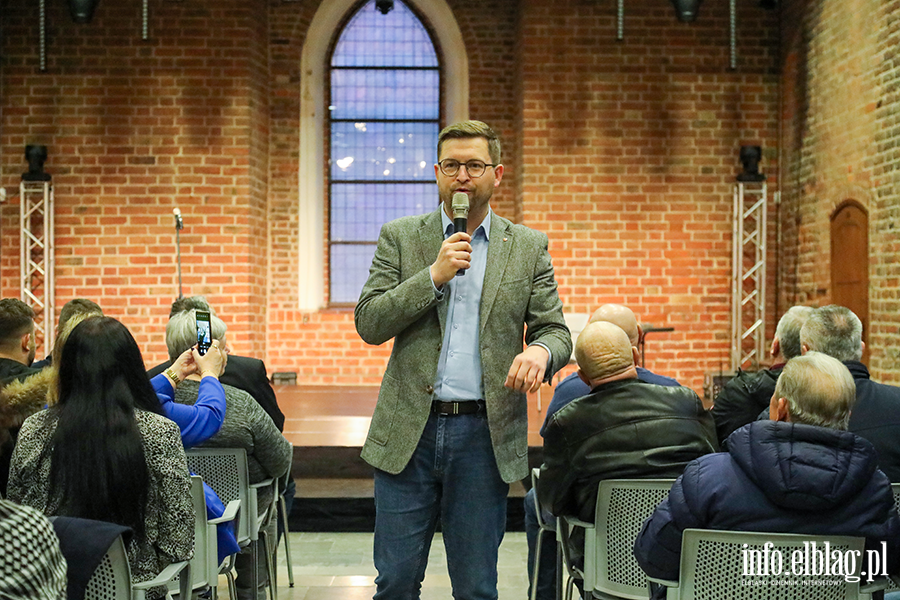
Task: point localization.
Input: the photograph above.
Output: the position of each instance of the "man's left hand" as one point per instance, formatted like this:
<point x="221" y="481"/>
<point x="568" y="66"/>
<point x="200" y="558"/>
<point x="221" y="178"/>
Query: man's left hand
<point x="527" y="371"/>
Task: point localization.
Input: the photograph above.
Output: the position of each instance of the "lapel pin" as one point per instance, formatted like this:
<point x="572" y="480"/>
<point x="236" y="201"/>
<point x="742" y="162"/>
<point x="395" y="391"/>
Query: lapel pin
<point x="504" y="239"/>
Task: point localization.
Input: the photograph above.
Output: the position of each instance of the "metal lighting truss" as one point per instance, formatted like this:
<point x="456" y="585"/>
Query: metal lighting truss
<point x="36" y="253"/>
<point x="748" y="276"/>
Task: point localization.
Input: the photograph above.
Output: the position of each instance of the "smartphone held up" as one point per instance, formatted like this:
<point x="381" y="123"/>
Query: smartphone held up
<point x="204" y="338"/>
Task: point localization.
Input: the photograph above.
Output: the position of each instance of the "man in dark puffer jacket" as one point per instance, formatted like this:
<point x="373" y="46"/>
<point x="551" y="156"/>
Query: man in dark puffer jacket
<point x="800" y="472"/>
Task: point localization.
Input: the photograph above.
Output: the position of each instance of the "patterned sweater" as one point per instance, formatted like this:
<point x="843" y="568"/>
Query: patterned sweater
<point x="246" y="426"/>
<point x="169" y="514"/>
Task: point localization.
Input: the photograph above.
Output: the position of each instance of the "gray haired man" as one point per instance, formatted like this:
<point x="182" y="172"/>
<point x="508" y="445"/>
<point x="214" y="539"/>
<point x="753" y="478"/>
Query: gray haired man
<point x="836" y="331"/>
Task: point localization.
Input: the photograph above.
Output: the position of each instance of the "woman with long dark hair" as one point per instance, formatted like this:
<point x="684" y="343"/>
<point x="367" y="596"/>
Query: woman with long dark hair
<point x="106" y="452"/>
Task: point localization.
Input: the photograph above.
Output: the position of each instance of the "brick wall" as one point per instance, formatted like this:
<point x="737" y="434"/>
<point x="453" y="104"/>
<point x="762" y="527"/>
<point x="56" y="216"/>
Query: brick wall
<point x="134" y="129"/>
<point x="323" y="346"/>
<point x="623" y="152"/>
<point x="630" y="154"/>
<point x="840" y="75"/>
<point x="884" y="268"/>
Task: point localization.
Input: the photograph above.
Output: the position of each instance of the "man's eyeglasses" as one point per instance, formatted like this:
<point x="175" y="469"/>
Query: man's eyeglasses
<point x="475" y="168"/>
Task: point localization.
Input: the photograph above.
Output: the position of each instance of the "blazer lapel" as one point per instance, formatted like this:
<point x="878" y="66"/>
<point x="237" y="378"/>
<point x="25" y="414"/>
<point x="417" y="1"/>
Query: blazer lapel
<point x="431" y="237"/>
<point x="499" y="248"/>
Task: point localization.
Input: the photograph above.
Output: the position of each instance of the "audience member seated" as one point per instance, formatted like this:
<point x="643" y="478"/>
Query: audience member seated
<point x="31" y="564"/>
<point x="742" y="399"/>
<point x="202" y="419"/>
<point x="246" y="426"/>
<point x="106" y="452"/>
<point x="17" y="344"/>
<point x="17" y="348"/>
<point x="574" y="386"/>
<point x="569" y="389"/>
<point x="800" y="472"/>
<point x="197" y="423"/>
<point x="623" y="429"/>
<point x="76" y="307"/>
<point x="242" y="372"/>
<point x="836" y="331"/>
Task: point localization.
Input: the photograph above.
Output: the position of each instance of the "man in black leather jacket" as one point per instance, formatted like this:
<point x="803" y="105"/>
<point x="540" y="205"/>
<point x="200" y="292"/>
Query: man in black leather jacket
<point x="749" y="393"/>
<point x="624" y="428"/>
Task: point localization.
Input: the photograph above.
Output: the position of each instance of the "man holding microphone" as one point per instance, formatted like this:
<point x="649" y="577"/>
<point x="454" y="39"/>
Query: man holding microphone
<point x="449" y="431"/>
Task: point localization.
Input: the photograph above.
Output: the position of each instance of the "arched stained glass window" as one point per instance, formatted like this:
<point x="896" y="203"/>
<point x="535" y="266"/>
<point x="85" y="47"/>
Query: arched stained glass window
<point x="384" y="114"/>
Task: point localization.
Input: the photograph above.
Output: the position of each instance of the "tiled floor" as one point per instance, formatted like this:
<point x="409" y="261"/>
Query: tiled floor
<point x="331" y="566"/>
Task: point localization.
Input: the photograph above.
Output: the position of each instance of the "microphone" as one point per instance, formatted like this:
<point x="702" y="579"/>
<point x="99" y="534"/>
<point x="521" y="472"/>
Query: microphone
<point x="459" y="207"/>
<point x="179" y="224"/>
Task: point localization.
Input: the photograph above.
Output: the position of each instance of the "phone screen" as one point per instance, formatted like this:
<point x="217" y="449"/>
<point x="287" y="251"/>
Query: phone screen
<point x="204" y="338"/>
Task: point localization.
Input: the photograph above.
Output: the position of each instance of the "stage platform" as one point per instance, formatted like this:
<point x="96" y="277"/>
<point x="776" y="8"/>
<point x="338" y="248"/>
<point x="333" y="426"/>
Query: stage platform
<point x="328" y="426"/>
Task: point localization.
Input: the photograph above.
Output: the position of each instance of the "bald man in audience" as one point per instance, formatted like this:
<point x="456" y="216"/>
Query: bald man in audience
<point x="569" y="389"/>
<point x="623" y="429"/>
<point x="574" y="387"/>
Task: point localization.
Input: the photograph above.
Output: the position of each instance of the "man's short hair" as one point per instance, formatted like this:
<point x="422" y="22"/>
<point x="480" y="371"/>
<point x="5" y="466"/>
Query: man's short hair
<point x="471" y="129"/>
<point x="833" y="330"/>
<point x="16" y="320"/>
<point x="77" y="306"/>
<point x="190" y="303"/>
<point x="181" y="331"/>
<point x="819" y="390"/>
<point x="788" y="330"/>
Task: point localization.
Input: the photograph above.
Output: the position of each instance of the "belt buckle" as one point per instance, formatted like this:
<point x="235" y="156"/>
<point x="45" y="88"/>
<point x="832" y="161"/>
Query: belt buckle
<point x="455" y="408"/>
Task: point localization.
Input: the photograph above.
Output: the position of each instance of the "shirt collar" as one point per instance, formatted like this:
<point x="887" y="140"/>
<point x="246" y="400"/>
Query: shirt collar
<point x="485" y="225"/>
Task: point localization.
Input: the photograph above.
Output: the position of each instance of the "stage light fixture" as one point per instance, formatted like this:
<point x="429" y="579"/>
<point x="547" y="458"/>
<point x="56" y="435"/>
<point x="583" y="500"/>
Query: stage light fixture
<point x="686" y="10"/>
<point x="82" y="10"/>
<point x="36" y="156"/>
<point x="750" y="157"/>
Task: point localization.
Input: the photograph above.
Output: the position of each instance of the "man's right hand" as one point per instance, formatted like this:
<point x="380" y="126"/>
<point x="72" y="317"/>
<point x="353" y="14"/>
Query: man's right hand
<point x="455" y="254"/>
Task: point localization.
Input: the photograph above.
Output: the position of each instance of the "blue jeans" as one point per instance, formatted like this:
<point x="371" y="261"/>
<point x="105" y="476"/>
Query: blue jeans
<point x="452" y="475"/>
<point x="546" y="583"/>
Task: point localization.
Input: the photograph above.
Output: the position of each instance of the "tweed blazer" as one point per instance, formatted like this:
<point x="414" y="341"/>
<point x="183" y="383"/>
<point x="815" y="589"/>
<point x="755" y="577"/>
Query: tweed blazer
<point x="398" y="302"/>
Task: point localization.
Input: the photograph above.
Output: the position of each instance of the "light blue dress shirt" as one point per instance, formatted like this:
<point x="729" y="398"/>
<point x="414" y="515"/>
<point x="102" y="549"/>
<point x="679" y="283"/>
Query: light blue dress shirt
<point x="459" y="375"/>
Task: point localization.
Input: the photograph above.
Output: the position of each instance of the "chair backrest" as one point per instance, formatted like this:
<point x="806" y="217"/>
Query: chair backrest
<point x="225" y="471"/>
<point x="622" y="507"/>
<point x="112" y="579"/>
<point x="538" y="509"/>
<point x="745" y="566"/>
<point x="893" y="587"/>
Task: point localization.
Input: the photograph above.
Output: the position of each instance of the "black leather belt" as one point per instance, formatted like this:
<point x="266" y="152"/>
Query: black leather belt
<point x="467" y="407"/>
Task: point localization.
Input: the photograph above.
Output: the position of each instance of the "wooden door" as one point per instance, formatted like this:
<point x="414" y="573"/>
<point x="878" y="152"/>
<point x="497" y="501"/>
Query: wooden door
<point x="850" y="262"/>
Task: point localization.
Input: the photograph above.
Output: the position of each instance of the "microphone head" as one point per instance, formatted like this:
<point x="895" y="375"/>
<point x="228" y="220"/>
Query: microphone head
<point x="176" y="212"/>
<point x="459" y="205"/>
